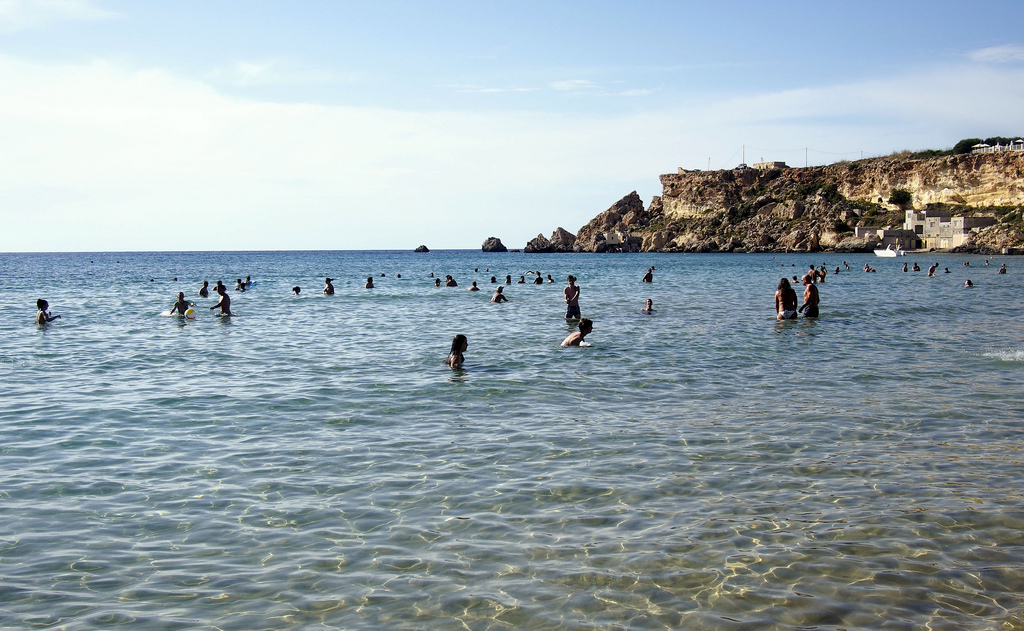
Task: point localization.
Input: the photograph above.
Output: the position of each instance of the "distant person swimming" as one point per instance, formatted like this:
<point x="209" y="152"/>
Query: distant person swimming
<point x="43" y="315"/>
<point x="648" y="307"/>
<point x="204" y="291"/>
<point x="473" y="287"/>
<point x="328" y="287"/>
<point x="369" y="282"/>
<point x="455" y="356"/>
<point x="499" y="295"/>
<point x="296" y="290"/>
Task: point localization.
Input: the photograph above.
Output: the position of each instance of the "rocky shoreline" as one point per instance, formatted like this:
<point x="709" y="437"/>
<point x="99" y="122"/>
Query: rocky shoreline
<point x="815" y="209"/>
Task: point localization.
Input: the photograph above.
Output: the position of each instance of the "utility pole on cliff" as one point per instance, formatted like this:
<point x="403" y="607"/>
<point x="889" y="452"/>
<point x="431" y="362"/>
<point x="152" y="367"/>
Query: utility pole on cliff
<point x="805" y="157"/>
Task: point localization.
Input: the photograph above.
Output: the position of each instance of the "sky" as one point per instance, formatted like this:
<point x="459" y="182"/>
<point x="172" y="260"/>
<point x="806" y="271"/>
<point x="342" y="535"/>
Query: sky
<point x="309" y="125"/>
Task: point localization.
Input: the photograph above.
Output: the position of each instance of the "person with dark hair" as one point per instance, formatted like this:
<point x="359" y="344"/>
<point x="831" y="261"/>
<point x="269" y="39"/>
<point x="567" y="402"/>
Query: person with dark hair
<point x="43" y="316"/>
<point x="204" y="291"/>
<point x="328" y="287"/>
<point x="572" y="299"/>
<point x="296" y="289"/>
<point x="181" y="305"/>
<point x="459" y="346"/>
<point x="499" y="295"/>
<point x="369" y="282"/>
<point x="576" y="337"/>
<point x="785" y="301"/>
<point x="810" y="306"/>
<point x="225" y="301"/>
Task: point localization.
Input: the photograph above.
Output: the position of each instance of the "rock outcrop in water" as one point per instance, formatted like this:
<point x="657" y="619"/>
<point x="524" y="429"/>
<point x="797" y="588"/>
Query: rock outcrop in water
<point x="422" y="248"/>
<point x="493" y="244"/>
<point x="807" y="209"/>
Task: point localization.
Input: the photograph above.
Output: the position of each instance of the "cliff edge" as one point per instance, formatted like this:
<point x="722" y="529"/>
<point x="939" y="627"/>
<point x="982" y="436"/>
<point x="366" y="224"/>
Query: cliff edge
<point x="811" y="208"/>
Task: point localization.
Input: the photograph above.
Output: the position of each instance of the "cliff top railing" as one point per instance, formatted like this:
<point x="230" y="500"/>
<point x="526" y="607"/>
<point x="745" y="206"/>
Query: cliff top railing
<point x="1016" y="145"/>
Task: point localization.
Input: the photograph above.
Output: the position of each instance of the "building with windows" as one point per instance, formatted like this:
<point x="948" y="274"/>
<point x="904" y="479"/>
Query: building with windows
<point x="940" y="230"/>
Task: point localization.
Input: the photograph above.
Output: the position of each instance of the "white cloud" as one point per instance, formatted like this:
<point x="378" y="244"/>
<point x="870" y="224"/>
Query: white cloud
<point x="1010" y="53"/>
<point x="575" y="85"/>
<point x="101" y="157"/>
<point x="275" y="71"/>
<point x="18" y="15"/>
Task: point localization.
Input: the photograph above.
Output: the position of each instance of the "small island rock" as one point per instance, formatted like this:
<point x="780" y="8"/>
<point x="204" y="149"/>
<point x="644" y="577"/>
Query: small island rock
<point x="422" y="248"/>
<point x="493" y="244"/>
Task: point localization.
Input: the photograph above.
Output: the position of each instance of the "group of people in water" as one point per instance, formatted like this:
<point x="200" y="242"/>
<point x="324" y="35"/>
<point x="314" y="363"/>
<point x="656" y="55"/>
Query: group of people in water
<point x="571" y="294"/>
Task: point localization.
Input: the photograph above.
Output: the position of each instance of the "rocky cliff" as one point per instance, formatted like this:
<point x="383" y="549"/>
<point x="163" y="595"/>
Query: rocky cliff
<point x="815" y="208"/>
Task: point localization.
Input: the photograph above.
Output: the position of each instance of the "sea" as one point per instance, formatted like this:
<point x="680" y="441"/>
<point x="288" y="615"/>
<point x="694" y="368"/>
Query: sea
<point x="311" y="463"/>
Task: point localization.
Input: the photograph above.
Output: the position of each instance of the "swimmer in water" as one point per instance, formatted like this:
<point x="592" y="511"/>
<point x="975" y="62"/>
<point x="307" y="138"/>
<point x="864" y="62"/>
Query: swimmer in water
<point x="473" y="287"/>
<point x="499" y="295"/>
<point x="508" y="279"/>
<point x="182" y="305"/>
<point x="224" y="303"/>
<point x="811" y="298"/>
<point x="328" y="287"/>
<point x="204" y="291"/>
<point x="455" y="356"/>
<point x="494" y="279"/>
<point x="239" y="285"/>
<point x="649" y="276"/>
<point x="522" y="279"/>
<point x="369" y="282"/>
<point x="43" y="315"/>
<point x="648" y="307"/>
<point x="576" y="337"/>
<point x="248" y="281"/>
<point x="296" y="289"/>
<point x="437" y="282"/>
<point x="450" y="282"/>
<point x="967" y="283"/>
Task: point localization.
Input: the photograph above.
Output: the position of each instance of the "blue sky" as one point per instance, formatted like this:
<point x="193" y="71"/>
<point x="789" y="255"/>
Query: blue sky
<point x="339" y="125"/>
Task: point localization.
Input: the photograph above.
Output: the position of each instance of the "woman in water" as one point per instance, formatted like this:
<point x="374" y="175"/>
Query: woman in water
<point x="459" y="346"/>
<point x="785" y="301"/>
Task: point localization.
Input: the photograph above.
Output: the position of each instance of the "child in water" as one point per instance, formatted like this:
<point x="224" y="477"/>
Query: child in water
<point x="459" y="346"/>
<point x="43" y="316"/>
<point x="182" y="305"/>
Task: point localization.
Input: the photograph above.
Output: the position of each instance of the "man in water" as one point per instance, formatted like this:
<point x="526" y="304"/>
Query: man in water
<point x="572" y="298"/>
<point x="328" y="287"/>
<point x="225" y="301"/>
<point x="204" y="291"/>
<point x="931" y="270"/>
<point x="649" y="276"/>
<point x="499" y="295"/>
<point x="576" y="337"/>
<point x="648" y="307"/>
<point x="450" y="281"/>
<point x="810" y="306"/>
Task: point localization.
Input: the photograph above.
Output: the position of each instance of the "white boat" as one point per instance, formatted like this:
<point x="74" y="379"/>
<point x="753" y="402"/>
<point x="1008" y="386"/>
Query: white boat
<point x="890" y="252"/>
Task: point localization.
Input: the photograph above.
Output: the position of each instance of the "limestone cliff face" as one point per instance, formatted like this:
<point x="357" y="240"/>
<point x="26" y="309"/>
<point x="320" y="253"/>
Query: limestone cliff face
<point x="812" y="208"/>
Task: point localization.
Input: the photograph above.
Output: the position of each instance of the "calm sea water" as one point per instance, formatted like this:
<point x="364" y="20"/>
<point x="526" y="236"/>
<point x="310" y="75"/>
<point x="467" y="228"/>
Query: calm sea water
<point x="311" y="464"/>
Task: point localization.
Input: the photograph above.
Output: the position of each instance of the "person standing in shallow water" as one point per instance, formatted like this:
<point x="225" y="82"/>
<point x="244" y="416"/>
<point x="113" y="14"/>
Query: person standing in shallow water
<point x="224" y="303"/>
<point x="572" y="299"/>
<point x="499" y="295"/>
<point x="785" y="301"/>
<point x="43" y="315"/>
<point x="455" y="356"/>
<point x="328" y="287"/>
<point x="810" y="307"/>
<point x="204" y="291"/>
